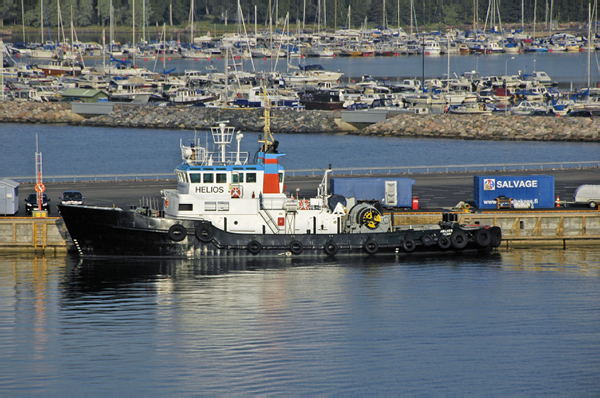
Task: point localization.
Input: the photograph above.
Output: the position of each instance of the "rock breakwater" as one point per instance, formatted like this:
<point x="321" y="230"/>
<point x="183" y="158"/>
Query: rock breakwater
<point x="489" y="127"/>
<point x="37" y="112"/>
<point x="282" y="121"/>
<point x="471" y="127"/>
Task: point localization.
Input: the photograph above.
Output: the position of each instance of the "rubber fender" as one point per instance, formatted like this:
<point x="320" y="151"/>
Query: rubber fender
<point x="371" y="246"/>
<point x="408" y="245"/>
<point x="330" y="248"/>
<point x="444" y="242"/>
<point x="426" y="240"/>
<point x="177" y="232"/>
<point x="205" y="232"/>
<point x="459" y="239"/>
<point x="483" y="237"/>
<point x="296" y="247"/>
<point x="496" y="236"/>
<point x="254" y="247"/>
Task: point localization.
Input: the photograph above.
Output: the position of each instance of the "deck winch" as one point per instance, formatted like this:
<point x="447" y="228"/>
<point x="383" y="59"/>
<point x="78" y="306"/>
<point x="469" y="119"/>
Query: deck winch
<point x="366" y="218"/>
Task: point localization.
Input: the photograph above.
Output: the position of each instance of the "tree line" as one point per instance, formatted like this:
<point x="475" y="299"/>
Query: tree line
<point x="329" y="13"/>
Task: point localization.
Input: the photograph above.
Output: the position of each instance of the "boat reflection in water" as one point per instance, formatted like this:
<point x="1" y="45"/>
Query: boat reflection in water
<point x="377" y="324"/>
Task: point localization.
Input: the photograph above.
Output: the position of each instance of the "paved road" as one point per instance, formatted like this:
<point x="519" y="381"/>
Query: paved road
<point x="435" y="191"/>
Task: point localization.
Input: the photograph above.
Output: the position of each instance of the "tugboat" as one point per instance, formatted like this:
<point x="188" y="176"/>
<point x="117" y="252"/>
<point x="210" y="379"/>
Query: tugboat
<point x="225" y="205"/>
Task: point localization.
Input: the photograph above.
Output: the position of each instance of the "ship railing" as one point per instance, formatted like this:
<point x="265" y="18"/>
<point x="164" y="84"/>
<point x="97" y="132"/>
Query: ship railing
<point x="358" y="171"/>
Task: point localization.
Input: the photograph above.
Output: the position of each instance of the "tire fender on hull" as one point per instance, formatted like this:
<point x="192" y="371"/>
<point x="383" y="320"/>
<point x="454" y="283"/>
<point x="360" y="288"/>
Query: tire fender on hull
<point x="254" y="247"/>
<point x="371" y="246"/>
<point x="483" y="237"/>
<point x="296" y="247"/>
<point x="177" y="232"/>
<point x="408" y="245"/>
<point x="459" y="239"/>
<point x="444" y="242"/>
<point x="330" y="248"/>
<point x="496" y="233"/>
<point x="205" y="232"/>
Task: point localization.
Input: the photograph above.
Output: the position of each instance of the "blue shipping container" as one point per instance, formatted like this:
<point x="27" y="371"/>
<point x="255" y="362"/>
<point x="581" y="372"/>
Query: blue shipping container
<point x="375" y="189"/>
<point x="536" y="191"/>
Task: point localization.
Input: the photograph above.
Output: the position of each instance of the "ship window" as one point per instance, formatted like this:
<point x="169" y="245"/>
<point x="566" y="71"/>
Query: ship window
<point x="221" y="178"/>
<point x="250" y="177"/>
<point x="280" y="177"/>
<point x="237" y="178"/>
<point x="210" y="206"/>
<point x="186" y="207"/>
<point x="185" y="177"/>
<point x="195" y="178"/>
<point x="208" y="178"/>
<point x="223" y="206"/>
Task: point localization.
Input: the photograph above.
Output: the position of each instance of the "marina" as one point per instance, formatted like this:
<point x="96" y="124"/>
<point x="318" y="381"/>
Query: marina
<point x="224" y="76"/>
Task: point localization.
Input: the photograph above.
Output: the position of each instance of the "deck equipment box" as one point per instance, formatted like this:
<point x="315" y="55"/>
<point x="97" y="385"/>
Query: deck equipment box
<point x="391" y="192"/>
<point x="534" y="191"/>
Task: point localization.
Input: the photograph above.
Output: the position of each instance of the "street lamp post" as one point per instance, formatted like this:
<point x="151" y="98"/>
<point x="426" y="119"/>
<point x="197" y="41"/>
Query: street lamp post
<point x="505" y="89"/>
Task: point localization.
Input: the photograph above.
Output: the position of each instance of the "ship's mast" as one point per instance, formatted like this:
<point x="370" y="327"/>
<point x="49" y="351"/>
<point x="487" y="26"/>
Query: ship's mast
<point x="267" y="141"/>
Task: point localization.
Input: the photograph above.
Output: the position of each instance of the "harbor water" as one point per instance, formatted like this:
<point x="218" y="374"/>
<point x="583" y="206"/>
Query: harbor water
<point x="567" y="69"/>
<point x="73" y="150"/>
<point x="519" y="322"/>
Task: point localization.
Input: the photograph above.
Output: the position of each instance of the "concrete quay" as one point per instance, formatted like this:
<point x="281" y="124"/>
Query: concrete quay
<point x="466" y="127"/>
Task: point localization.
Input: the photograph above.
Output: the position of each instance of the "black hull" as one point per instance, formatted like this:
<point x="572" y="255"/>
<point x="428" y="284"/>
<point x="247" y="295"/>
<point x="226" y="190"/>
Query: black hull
<point x="99" y="232"/>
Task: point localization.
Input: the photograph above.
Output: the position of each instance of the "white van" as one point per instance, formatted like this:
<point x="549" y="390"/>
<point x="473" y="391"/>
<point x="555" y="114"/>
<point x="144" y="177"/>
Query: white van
<point x="588" y="194"/>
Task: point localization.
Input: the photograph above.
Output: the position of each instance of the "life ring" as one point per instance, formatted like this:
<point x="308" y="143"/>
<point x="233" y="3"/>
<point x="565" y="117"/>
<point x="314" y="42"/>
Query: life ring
<point x="459" y="239"/>
<point x="408" y="245"/>
<point x="39" y="188"/>
<point x="236" y="192"/>
<point x="444" y="242"/>
<point x="371" y="246"/>
<point x="177" y="232"/>
<point x="254" y="247"/>
<point x="330" y="248"/>
<point x="166" y="203"/>
<point x="483" y="237"/>
<point x="205" y="232"/>
<point x="496" y="236"/>
<point x="426" y="240"/>
<point x="296" y="247"/>
<point x="446" y="108"/>
<point x="304" y="204"/>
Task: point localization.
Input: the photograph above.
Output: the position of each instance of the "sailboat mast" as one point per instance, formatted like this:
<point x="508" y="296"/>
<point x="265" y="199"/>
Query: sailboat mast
<point x="42" y="19"/>
<point x="133" y="32"/>
<point x="192" y="23"/>
<point x="589" y="43"/>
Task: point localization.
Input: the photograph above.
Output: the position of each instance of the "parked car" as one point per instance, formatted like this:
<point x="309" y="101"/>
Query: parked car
<point x="31" y="203"/>
<point x="71" y="198"/>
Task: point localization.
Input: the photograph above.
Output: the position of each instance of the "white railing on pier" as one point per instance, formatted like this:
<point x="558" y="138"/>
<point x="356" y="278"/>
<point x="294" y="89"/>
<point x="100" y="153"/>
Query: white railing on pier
<point x="342" y="171"/>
